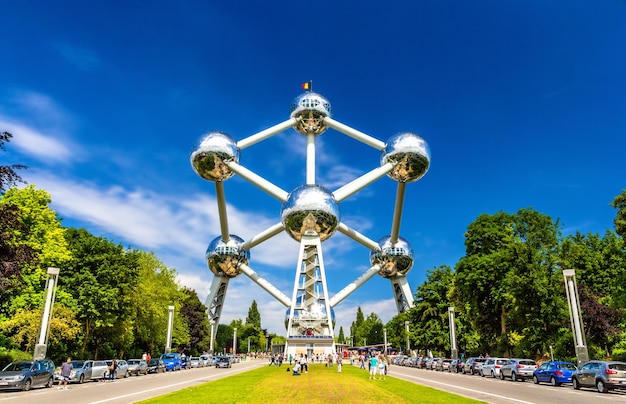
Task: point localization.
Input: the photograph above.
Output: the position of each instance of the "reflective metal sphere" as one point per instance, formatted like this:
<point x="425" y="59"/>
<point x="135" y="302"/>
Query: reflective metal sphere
<point x="311" y="108"/>
<point x="215" y="150"/>
<point x="393" y="258"/>
<point x="223" y="258"/>
<point x="310" y="320"/>
<point x="310" y="210"/>
<point x="411" y="156"/>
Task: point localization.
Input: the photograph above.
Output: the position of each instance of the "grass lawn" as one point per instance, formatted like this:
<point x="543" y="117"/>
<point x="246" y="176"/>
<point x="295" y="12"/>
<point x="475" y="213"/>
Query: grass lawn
<point x="321" y="385"/>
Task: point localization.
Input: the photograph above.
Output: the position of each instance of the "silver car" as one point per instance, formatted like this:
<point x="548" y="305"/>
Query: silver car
<point x="518" y="369"/>
<point x="492" y="367"/>
<point x="602" y="375"/>
<point x="83" y="371"/>
<point x="137" y="367"/>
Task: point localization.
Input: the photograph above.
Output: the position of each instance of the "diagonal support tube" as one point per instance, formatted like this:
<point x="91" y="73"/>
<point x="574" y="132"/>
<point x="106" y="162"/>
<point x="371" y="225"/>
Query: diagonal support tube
<point x="397" y="212"/>
<point x="263" y="236"/>
<point x="264" y="134"/>
<point x="259" y="181"/>
<point x="355" y="134"/>
<point x="265" y="284"/>
<point x="357" y="283"/>
<point x="358" y="237"/>
<point x="361" y="182"/>
<point x="221" y="209"/>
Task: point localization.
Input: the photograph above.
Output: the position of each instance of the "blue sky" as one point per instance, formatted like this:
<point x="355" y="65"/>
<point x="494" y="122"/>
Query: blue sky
<point x="521" y="102"/>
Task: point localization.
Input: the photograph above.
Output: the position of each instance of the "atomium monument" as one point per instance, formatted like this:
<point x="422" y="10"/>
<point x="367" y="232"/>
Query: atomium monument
<point x="310" y="214"/>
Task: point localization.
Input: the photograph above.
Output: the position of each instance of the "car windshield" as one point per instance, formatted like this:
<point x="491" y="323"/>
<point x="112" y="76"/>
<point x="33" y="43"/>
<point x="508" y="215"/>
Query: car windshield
<point x="169" y="356"/>
<point x="133" y="361"/>
<point x="222" y="359"/>
<point x="17" y="366"/>
<point x="527" y="362"/>
<point x="77" y="365"/>
<point x="154" y="361"/>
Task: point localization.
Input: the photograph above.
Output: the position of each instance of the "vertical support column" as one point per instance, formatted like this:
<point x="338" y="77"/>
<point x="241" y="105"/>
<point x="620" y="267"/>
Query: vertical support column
<point x="402" y="293"/>
<point x="211" y="347"/>
<point x="454" y="352"/>
<point x="573" y="301"/>
<point x="215" y="303"/>
<point x="235" y="341"/>
<point x="310" y="320"/>
<point x="170" y="324"/>
<point x="44" y="330"/>
<point x="385" y="339"/>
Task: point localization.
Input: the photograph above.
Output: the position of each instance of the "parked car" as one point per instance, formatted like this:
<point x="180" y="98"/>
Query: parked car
<point x="554" y="372"/>
<point x="443" y="364"/>
<point x="456" y="366"/>
<point x="518" y="369"/>
<point x="83" y="371"/>
<point x="121" y="369"/>
<point x="472" y="365"/>
<point x="196" y="362"/>
<point x="172" y="360"/>
<point x="492" y="367"/>
<point x="137" y="367"/>
<point x="207" y="360"/>
<point x="23" y="375"/>
<point x="222" y="362"/>
<point x="603" y="375"/>
<point x="433" y="363"/>
<point x="156" y="365"/>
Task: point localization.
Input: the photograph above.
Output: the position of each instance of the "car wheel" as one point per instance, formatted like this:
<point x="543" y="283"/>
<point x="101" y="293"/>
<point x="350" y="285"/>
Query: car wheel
<point x="575" y="384"/>
<point x="513" y="377"/>
<point x="493" y="375"/>
<point x="50" y="382"/>
<point x="501" y="375"/>
<point x="601" y="387"/>
<point x="553" y="382"/>
<point x="535" y="380"/>
<point x="81" y="379"/>
<point x="27" y="385"/>
<point x="482" y="374"/>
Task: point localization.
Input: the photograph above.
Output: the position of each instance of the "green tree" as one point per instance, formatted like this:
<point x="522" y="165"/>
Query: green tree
<point x="8" y="176"/>
<point x="254" y="317"/>
<point x="194" y="313"/>
<point x="101" y="277"/>
<point x="356" y="324"/>
<point x="431" y="310"/>
<point x="619" y="203"/>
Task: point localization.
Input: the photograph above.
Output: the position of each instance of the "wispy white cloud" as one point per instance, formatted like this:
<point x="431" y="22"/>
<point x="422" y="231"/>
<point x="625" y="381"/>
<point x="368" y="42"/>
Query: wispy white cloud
<point x="36" y="144"/>
<point x="82" y="58"/>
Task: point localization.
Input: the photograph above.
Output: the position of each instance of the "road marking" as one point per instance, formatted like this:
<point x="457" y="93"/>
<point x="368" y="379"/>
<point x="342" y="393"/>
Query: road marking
<point x="426" y="381"/>
<point x="205" y="378"/>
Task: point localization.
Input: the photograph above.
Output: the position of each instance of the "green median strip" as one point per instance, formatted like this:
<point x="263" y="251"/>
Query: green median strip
<point x="320" y="385"/>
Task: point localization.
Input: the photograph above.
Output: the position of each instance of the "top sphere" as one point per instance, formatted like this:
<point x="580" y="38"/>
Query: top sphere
<point x="311" y="108"/>
<point x="411" y="156"/>
<point x="310" y="210"/>
<point x="215" y="150"/>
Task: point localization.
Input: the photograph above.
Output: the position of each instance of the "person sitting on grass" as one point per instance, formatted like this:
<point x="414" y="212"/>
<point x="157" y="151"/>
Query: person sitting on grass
<point x="296" y="369"/>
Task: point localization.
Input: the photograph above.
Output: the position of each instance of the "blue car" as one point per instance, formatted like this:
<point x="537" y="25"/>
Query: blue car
<point x="173" y="361"/>
<point x="554" y="372"/>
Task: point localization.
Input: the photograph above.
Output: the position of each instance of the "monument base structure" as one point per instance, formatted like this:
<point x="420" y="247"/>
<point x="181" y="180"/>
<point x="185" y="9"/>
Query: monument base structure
<point x="310" y="321"/>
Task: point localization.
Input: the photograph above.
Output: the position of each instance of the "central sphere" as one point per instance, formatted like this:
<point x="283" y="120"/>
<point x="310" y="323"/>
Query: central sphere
<point x="310" y="210"/>
<point x="223" y="258"/>
<point x="311" y="109"/>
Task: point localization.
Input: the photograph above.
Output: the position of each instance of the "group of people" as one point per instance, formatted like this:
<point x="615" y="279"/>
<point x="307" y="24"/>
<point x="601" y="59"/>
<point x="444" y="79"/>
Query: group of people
<point x="378" y="365"/>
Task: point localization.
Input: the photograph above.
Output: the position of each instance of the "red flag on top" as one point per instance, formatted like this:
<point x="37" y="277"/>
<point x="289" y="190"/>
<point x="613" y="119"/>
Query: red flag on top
<point x="307" y="86"/>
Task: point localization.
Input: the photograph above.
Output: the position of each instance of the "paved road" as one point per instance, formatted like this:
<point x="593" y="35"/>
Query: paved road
<point x="129" y="390"/>
<point x="504" y="391"/>
<point x="139" y="388"/>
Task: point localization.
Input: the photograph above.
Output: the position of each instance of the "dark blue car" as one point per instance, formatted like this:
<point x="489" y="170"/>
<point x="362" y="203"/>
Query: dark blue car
<point x="554" y="372"/>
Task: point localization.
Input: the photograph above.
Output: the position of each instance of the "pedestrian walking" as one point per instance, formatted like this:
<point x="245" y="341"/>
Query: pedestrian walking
<point x="66" y="371"/>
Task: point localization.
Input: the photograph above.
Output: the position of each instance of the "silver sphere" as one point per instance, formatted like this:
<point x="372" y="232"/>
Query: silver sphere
<point x="310" y="210"/>
<point x="393" y="258"/>
<point x="223" y="258"/>
<point x="215" y="150"/>
<point x="411" y="156"/>
<point x="312" y="316"/>
<point x="311" y="108"/>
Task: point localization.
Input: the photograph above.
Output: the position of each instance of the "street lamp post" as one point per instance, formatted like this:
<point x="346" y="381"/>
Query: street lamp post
<point x="235" y="341"/>
<point x="385" y="340"/>
<point x="170" y="323"/>
<point x="571" y="290"/>
<point x="406" y="329"/>
<point x="453" y="348"/>
<point x="51" y="289"/>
